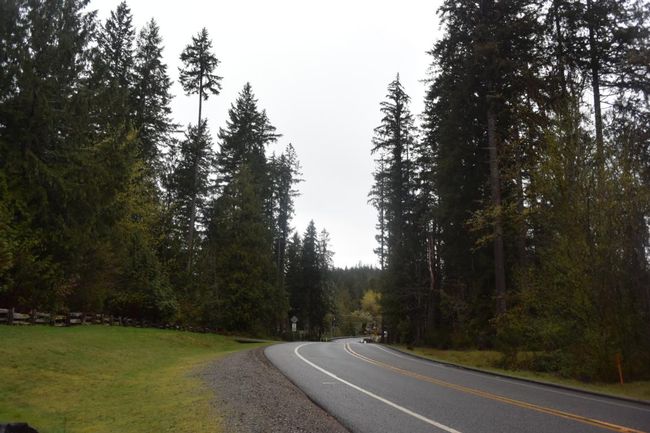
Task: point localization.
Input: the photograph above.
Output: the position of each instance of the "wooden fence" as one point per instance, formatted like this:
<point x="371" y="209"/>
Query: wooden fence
<point x="9" y="316"/>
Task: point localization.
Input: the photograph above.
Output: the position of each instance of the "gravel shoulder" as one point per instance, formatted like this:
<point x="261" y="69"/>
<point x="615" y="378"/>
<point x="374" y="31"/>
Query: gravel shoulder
<point x="254" y="397"/>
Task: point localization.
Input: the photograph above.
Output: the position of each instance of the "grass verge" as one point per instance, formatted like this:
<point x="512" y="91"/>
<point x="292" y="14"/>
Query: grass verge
<point x="486" y="360"/>
<point x="108" y="379"/>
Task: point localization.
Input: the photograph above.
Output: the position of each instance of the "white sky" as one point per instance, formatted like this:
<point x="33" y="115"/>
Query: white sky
<point x="320" y="69"/>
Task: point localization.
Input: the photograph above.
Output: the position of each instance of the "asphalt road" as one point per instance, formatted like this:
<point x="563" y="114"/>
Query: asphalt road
<point x="371" y="389"/>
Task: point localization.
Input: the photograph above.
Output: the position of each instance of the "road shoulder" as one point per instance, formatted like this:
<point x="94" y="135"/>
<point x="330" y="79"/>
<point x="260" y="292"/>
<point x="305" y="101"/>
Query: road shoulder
<point x="253" y="396"/>
<point x="504" y="374"/>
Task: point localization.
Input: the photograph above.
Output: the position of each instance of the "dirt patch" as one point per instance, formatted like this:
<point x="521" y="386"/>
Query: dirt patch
<point x="254" y="397"/>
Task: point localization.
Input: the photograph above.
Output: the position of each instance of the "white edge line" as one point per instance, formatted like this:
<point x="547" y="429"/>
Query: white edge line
<point x="375" y="396"/>
<point x="515" y="381"/>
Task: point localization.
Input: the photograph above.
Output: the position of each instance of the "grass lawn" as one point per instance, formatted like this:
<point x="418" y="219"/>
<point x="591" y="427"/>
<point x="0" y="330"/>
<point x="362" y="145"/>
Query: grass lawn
<point x="486" y="360"/>
<point x="108" y="379"/>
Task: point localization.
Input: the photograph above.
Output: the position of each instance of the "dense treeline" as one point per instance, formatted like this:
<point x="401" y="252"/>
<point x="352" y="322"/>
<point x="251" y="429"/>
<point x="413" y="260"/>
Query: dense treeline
<point x="357" y="308"/>
<point x="516" y="215"/>
<point x="105" y="207"/>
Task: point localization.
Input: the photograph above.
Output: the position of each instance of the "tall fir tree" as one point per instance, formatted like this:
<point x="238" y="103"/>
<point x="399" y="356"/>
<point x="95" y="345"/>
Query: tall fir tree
<point x="378" y="198"/>
<point x="112" y="76"/>
<point x="249" y="297"/>
<point x="285" y="174"/>
<point x="293" y="280"/>
<point x="151" y="96"/>
<point x="191" y="183"/>
<point x="312" y="283"/>
<point x="393" y="194"/>
<point x="198" y="76"/>
<point x="43" y="149"/>
<point x="244" y="140"/>
<point x="243" y="146"/>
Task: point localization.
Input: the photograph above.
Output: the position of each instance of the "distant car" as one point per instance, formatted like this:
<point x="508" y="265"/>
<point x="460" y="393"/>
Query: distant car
<point x="367" y="340"/>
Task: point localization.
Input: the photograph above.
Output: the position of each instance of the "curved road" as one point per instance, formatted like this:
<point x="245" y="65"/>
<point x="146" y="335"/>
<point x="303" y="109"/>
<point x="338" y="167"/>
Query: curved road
<point x="372" y="389"/>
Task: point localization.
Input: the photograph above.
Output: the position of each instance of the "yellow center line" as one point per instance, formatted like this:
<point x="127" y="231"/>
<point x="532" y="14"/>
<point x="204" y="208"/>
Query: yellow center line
<point x="488" y="395"/>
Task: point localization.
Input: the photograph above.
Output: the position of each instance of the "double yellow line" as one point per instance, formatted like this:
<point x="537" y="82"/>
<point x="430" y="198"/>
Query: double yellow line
<point x="488" y="395"/>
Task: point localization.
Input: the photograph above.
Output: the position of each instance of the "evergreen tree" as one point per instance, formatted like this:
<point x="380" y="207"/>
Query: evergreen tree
<point x="250" y="299"/>
<point x="13" y="34"/>
<point x="298" y="300"/>
<point x="325" y="254"/>
<point x="312" y="282"/>
<point x="378" y="197"/>
<point x="485" y="103"/>
<point x="243" y="144"/>
<point x="151" y="97"/>
<point x="394" y="195"/>
<point x="141" y="288"/>
<point x="198" y="76"/>
<point x="508" y="158"/>
<point x="244" y="140"/>
<point x="43" y="129"/>
<point x="191" y="182"/>
<point x="285" y="172"/>
<point x="113" y="78"/>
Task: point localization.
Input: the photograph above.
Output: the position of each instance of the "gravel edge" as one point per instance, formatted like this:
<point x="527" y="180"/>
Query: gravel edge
<point x="252" y="396"/>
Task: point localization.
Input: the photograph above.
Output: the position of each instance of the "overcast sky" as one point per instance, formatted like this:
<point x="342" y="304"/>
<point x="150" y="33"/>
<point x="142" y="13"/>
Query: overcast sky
<point x="320" y="69"/>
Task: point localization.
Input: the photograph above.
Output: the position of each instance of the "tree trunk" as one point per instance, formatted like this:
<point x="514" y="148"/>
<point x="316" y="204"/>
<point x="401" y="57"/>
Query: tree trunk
<point x="190" y="234"/>
<point x="382" y="219"/>
<point x="559" y="54"/>
<point x="521" y="223"/>
<point x="491" y="68"/>
<point x="595" y="87"/>
<point x="433" y="307"/>
<point x="495" y="186"/>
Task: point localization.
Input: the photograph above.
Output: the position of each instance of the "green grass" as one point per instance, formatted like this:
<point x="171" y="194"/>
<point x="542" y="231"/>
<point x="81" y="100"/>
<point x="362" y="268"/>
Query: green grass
<point x="108" y="379"/>
<point x="486" y="360"/>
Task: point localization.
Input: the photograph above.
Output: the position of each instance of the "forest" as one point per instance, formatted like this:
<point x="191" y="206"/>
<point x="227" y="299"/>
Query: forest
<point x="107" y="205"/>
<point x="513" y="213"/>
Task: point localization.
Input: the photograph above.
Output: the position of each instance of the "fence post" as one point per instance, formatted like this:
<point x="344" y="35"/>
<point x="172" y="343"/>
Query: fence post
<point x="10" y="316"/>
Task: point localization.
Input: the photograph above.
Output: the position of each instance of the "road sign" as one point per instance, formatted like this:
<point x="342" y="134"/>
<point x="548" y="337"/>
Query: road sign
<point x="294" y="328"/>
<point x="294" y="319"/>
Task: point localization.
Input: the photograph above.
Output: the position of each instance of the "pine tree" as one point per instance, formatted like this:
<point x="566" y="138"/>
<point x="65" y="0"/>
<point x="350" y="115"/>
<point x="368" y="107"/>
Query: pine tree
<point x="141" y="286"/>
<point x="378" y="197"/>
<point x="312" y="282"/>
<point x="600" y="43"/>
<point x="151" y="96"/>
<point x="284" y="173"/>
<point x="244" y="140"/>
<point x="483" y="127"/>
<point x="250" y="298"/>
<point x="298" y="300"/>
<point x="198" y="76"/>
<point x="113" y="78"/>
<point x="487" y="38"/>
<point x="191" y="182"/>
<point x="515" y="78"/>
<point x="393" y="193"/>
<point x="13" y="34"/>
<point x="44" y="127"/>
